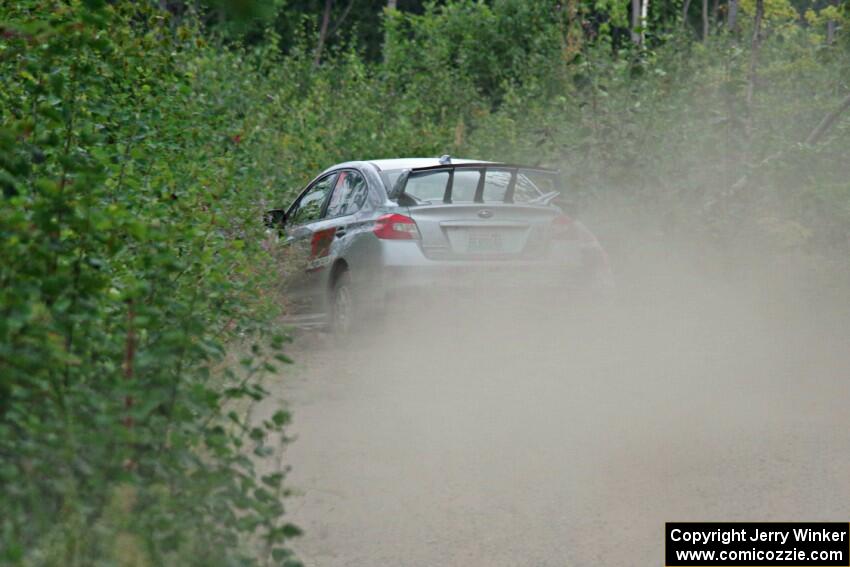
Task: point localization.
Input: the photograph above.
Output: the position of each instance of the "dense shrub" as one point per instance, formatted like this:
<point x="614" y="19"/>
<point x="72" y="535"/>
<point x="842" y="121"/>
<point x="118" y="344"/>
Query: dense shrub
<point x="129" y="263"/>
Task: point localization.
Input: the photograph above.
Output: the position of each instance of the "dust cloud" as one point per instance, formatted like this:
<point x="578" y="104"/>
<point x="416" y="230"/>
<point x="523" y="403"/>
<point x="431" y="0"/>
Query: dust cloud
<point x="546" y="430"/>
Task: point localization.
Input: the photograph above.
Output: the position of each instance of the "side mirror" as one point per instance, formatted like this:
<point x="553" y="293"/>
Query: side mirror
<point x="275" y="219"/>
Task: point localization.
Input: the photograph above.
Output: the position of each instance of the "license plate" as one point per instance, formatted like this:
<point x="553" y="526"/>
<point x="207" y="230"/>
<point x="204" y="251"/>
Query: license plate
<point x="482" y="241"/>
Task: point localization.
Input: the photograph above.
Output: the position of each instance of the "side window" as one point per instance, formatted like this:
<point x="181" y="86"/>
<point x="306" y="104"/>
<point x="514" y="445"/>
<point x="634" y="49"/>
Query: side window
<point x="349" y="194"/>
<point x="309" y="206"/>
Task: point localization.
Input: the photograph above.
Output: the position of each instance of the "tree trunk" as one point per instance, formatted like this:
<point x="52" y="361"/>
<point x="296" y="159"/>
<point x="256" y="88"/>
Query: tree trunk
<point x="323" y="31"/>
<point x="392" y="4"/>
<point x="732" y="15"/>
<point x="636" y="21"/>
<point x="644" y="20"/>
<point x="830" y="32"/>
<point x="685" y="7"/>
<point x="755" y="45"/>
<point x="704" y="20"/>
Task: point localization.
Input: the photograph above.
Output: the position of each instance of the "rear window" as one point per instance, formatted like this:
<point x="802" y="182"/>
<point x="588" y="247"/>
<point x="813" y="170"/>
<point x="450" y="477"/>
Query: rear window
<point x="427" y="186"/>
<point x="531" y="184"/>
<point x="464" y="185"/>
<point x="430" y="186"/>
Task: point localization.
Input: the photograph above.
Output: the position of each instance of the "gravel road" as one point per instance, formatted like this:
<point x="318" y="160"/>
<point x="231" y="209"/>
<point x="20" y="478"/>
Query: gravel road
<point x="542" y="433"/>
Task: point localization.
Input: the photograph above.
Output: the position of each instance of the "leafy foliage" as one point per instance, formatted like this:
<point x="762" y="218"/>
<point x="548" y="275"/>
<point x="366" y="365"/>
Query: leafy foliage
<point x="129" y="260"/>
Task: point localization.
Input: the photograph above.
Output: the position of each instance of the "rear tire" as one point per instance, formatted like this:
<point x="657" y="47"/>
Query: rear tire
<point x="342" y="306"/>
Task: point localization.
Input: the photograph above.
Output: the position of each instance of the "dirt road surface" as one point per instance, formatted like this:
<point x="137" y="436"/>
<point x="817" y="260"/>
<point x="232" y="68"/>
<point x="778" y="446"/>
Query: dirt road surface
<point x="542" y="433"/>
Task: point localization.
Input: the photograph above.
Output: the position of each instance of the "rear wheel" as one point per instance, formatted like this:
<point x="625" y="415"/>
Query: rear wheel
<point x="342" y="306"/>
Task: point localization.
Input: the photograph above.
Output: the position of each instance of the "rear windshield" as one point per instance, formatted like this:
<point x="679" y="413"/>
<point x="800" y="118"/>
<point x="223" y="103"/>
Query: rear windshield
<point x="430" y="186"/>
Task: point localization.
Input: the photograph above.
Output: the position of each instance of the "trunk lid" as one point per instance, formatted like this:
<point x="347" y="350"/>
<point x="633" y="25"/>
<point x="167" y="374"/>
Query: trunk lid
<point x="486" y="211"/>
<point x="483" y="231"/>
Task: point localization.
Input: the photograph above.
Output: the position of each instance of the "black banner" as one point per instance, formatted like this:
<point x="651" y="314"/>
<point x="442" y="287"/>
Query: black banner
<point x="762" y="544"/>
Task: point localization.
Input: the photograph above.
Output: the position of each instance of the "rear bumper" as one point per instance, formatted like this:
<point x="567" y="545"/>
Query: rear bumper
<point x="406" y="269"/>
<point x="466" y="277"/>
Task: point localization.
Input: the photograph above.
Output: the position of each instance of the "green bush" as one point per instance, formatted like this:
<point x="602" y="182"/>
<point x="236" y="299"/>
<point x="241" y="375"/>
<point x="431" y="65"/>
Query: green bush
<point x="130" y="266"/>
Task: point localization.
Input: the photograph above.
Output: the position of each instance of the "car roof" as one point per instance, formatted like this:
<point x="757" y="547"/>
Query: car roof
<point x="415" y="163"/>
<point x="396" y="164"/>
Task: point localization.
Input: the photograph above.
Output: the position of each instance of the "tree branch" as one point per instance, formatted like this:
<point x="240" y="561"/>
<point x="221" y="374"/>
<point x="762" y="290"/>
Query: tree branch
<point x="828" y="121"/>
<point x="341" y="18"/>
<point x="814" y="137"/>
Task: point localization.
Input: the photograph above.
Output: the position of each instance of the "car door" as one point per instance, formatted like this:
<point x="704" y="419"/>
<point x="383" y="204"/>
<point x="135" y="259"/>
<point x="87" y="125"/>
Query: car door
<point x="304" y="243"/>
<point x="336" y="234"/>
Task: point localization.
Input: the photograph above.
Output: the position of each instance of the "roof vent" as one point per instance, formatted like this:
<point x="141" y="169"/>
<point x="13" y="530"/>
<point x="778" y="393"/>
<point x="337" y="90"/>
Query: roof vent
<point x="445" y="159"/>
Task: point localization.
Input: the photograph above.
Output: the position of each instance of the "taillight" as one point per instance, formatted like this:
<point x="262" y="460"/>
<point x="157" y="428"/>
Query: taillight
<point x="396" y="227"/>
<point x="563" y="228"/>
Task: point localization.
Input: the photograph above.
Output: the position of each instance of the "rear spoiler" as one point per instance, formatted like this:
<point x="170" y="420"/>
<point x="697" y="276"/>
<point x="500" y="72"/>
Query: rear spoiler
<point x="401" y="182"/>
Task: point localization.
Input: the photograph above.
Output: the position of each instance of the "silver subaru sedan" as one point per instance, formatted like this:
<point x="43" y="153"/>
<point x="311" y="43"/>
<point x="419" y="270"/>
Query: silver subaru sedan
<point x="363" y="233"/>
